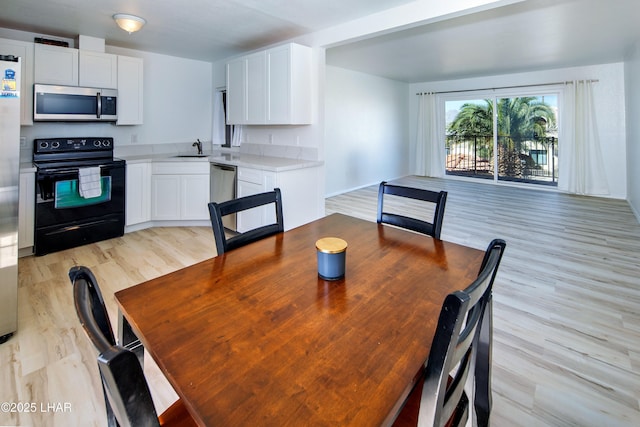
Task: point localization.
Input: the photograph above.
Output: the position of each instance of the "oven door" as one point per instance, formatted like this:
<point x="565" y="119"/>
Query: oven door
<point x="70" y="213"/>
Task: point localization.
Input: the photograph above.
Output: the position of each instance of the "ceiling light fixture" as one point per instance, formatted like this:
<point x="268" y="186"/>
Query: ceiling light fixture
<point x="129" y="23"/>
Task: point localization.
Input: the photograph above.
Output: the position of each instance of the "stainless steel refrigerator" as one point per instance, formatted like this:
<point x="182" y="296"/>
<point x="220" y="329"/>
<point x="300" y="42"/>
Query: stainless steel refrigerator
<point x="9" y="180"/>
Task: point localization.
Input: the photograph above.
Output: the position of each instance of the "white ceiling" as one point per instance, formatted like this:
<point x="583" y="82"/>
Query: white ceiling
<point x="524" y="36"/>
<point x="199" y="29"/>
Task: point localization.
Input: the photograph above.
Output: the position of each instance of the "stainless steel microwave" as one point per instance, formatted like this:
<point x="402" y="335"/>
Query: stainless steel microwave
<point x="72" y="103"/>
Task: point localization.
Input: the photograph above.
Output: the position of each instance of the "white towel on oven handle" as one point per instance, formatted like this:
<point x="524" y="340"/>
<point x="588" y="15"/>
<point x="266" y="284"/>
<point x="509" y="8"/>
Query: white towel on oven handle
<point x="89" y="185"/>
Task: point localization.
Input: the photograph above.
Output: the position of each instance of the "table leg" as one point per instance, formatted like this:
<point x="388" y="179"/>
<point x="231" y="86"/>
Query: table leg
<point x="128" y="339"/>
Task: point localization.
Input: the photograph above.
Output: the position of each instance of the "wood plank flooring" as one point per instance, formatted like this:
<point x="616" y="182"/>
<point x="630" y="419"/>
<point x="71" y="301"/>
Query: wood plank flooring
<point x="566" y="310"/>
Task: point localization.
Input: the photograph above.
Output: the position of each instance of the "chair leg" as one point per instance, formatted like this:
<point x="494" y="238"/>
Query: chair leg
<point x="482" y="396"/>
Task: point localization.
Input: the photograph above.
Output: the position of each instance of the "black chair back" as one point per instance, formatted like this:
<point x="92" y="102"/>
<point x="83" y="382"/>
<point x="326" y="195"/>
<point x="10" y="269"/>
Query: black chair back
<point x="218" y="210"/>
<point x="439" y="397"/>
<point x="452" y="353"/>
<point x="430" y="228"/>
<point x="127" y="397"/>
<point x="91" y="309"/>
<point x="126" y="390"/>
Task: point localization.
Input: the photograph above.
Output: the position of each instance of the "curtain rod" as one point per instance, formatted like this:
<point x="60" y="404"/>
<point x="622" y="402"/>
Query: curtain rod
<point x="506" y="87"/>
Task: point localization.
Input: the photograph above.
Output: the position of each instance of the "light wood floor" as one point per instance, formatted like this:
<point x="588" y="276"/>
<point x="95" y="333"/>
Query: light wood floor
<point x="566" y="310"/>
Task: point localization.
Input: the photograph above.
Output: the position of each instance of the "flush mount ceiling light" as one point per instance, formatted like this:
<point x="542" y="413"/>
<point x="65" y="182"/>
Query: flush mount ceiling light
<point x="129" y="23"/>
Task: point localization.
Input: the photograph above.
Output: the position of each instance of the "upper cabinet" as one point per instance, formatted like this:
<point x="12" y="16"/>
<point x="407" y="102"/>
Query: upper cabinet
<point x="289" y="83"/>
<point x="270" y="87"/>
<point x="72" y="67"/>
<point x="130" y="90"/>
<point x="98" y="69"/>
<point x="55" y="65"/>
<point x="247" y="89"/>
<point x="25" y="51"/>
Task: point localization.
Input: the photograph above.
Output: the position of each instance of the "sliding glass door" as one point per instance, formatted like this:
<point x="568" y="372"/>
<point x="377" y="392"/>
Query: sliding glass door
<point x="469" y="141"/>
<point x="503" y="138"/>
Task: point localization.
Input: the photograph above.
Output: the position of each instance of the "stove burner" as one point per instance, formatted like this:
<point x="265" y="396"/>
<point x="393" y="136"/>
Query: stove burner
<point x="72" y="149"/>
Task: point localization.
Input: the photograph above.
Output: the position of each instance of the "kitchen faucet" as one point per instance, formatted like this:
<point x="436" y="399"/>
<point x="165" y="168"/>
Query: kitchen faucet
<point x="199" y="145"/>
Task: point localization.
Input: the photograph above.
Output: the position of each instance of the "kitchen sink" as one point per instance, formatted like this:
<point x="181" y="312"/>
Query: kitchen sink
<point x="192" y="155"/>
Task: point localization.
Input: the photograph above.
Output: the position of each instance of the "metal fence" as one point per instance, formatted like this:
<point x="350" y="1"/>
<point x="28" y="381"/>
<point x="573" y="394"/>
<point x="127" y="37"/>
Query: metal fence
<point x="533" y="160"/>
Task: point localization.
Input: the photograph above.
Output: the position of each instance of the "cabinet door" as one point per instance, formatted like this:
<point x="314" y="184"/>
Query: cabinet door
<point x="252" y="218"/>
<point x="236" y="92"/>
<point x="130" y="90"/>
<point x="55" y="65"/>
<point x="289" y="84"/>
<point x="25" y="51"/>
<point x="138" y="207"/>
<point x="279" y="85"/>
<point x="256" y="88"/>
<point x="165" y="196"/>
<point x="195" y="197"/>
<point x="98" y="69"/>
<point x="26" y="209"/>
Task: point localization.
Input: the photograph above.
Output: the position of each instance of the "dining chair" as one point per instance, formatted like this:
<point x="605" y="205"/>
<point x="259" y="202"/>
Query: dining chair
<point x="439" y="199"/>
<point x="218" y="210"/>
<point x="127" y="397"/>
<point x="439" y="397"/>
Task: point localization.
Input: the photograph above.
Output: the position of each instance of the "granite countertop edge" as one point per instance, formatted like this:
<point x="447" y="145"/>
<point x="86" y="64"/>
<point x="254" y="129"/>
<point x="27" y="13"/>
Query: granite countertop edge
<point x="275" y="164"/>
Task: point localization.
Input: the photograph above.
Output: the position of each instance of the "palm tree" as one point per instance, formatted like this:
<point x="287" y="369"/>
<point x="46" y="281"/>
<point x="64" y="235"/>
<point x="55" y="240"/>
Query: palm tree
<point x="519" y="119"/>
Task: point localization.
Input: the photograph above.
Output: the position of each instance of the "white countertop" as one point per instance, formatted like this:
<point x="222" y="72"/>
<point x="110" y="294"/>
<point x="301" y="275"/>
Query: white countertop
<point x="274" y="164"/>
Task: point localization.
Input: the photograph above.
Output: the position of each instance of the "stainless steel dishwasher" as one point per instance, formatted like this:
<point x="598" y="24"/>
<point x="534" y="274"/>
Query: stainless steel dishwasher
<point x="223" y="187"/>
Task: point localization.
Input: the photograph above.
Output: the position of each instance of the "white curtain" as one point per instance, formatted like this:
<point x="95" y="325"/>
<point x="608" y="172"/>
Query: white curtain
<point x="217" y="137"/>
<point x="430" y="148"/>
<point x="236" y="135"/>
<point x="581" y="168"/>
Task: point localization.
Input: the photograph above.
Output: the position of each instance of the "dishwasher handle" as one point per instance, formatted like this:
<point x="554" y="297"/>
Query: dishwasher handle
<point x="224" y="167"/>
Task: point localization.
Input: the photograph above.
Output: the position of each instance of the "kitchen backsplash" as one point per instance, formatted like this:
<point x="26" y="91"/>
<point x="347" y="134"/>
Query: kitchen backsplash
<point x="286" y="151"/>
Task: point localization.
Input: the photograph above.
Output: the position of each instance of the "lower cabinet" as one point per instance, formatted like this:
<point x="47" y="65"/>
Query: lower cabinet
<point x="180" y="191"/>
<point x="254" y="181"/>
<point x="26" y="209"/>
<point x="302" y="199"/>
<point x="138" y="195"/>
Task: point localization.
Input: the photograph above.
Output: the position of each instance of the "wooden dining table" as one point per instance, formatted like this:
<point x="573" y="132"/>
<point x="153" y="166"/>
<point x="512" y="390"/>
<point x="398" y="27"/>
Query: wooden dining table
<point x="254" y="337"/>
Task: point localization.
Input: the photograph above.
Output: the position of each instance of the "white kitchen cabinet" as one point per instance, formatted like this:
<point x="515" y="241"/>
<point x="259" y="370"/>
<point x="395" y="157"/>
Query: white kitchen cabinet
<point x="97" y="69"/>
<point x="138" y="194"/>
<point x="301" y="202"/>
<point x="289" y="85"/>
<point x="194" y="196"/>
<point x="270" y="87"/>
<point x="256" y="88"/>
<point x="180" y="191"/>
<point x="73" y="67"/>
<point x="25" y="51"/>
<point x="254" y="181"/>
<point x="236" y="91"/>
<point x="130" y="90"/>
<point x="26" y="209"/>
<point x="246" y="89"/>
<point x="55" y="65"/>
<point x="165" y="197"/>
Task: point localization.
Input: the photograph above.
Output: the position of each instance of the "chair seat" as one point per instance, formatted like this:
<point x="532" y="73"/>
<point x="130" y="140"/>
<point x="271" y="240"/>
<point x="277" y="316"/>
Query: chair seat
<point x="176" y="415"/>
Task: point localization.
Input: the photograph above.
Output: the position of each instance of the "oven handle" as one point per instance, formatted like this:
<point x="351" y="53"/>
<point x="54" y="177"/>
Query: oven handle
<point x="54" y="172"/>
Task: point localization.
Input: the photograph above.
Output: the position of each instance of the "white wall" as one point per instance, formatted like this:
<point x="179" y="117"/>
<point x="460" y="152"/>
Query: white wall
<point x="177" y="106"/>
<point x="609" y="95"/>
<point x="366" y="130"/>
<point x="632" y="84"/>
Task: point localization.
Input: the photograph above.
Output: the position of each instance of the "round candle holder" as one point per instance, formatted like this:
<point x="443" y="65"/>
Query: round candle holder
<point x="332" y="254"/>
